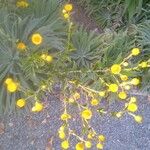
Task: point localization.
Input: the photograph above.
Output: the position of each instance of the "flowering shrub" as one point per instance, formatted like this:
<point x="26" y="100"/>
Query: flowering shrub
<point x="42" y="48"/>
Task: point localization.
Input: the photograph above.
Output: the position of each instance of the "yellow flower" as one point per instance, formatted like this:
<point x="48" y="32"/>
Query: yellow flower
<point x="37" y="107"/>
<point x="71" y="100"/>
<point x="119" y="114"/>
<point x="102" y="93"/>
<point x="66" y="15"/>
<point x="122" y="95"/>
<point x="86" y="114"/>
<point x="88" y="144"/>
<point x="21" y="102"/>
<point x="143" y="64"/>
<point x="62" y="135"/>
<point x="135" y="51"/>
<point x="49" y="58"/>
<point x="125" y="64"/>
<point x="65" y="144"/>
<point x="8" y="81"/>
<point x="64" y="11"/>
<point x="102" y="138"/>
<point x="21" y="46"/>
<point x="22" y="4"/>
<point x="127" y="87"/>
<point x="43" y="56"/>
<point x="65" y="117"/>
<point x="94" y="102"/>
<point x="135" y="81"/>
<point x="132" y="107"/>
<point x="68" y="7"/>
<point x="80" y="146"/>
<point x="99" y="146"/>
<point x="113" y="88"/>
<point x="138" y="119"/>
<point x="116" y="69"/>
<point x="90" y="135"/>
<point x="12" y="87"/>
<point x="37" y="39"/>
<point x="133" y="100"/>
<point x="76" y="96"/>
<point x="124" y="77"/>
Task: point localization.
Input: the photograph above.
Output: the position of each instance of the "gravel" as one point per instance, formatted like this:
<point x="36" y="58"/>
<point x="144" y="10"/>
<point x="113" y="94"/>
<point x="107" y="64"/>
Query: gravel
<point x="37" y="131"/>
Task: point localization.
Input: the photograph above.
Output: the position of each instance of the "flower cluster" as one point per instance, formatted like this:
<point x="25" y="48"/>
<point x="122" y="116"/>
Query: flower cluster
<point x="67" y="10"/>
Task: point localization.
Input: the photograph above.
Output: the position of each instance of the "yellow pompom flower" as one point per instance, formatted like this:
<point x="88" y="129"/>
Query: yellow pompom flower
<point x="65" y="144"/>
<point x="122" y="95"/>
<point x="90" y="135"/>
<point x="102" y="93"/>
<point x="37" y="39"/>
<point x="21" y="46"/>
<point x="66" y="15"/>
<point x="133" y="100"/>
<point x="8" y="81"/>
<point x="94" y="102"/>
<point x="22" y="4"/>
<point x="86" y="114"/>
<point x="88" y="144"/>
<point x="135" y="51"/>
<point x="64" y="11"/>
<point x="62" y="135"/>
<point x="113" y="88"/>
<point x="43" y="56"/>
<point x="99" y="146"/>
<point x="138" y="119"/>
<point x="124" y="77"/>
<point x="132" y="107"/>
<point x="68" y="7"/>
<point x="65" y="117"/>
<point x="143" y="64"/>
<point x="116" y="69"/>
<point x="135" y="81"/>
<point x="49" y="58"/>
<point x="12" y="87"/>
<point x="80" y="146"/>
<point x="37" y="107"/>
<point x="76" y="96"/>
<point x="102" y="138"/>
<point x="21" y="102"/>
<point x="119" y="114"/>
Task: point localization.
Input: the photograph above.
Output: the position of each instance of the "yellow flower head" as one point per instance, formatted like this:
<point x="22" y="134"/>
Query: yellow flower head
<point x="116" y="69"/>
<point x="133" y="100"/>
<point x="37" y="39"/>
<point x="113" y="88"/>
<point x="21" y="102"/>
<point x="122" y="95"/>
<point x="138" y="119"/>
<point x="99" y="146"/>
<point x="127" y="87"/>
<point x="21" y="46"/>
<point x="88" y="144"/>
<point x="12" y="87"/>
<point x="124" y="77"/>
<point x="143" y="64"/>
<point x="86" y="114"/>
<point x="119" y="114"/>
<point x="65" y="117"/>
<point x="49" y="58"/>
<point x="37" y="107"/>
<point x="132" y="107"/>
<point x="135" y="51"/>
<point x="94" y="102"/>
<point x="101" y="138"/>
<point x="65" y="144"/>
<point x="102" y="93"/>
<point x="68" y="7"/>
<point x="43" y="56"/>
<point x="80" y="146"/>
<point x="76" y="95"/>
<point x="135" y="81"/>
<point x="8" y="81"/>
<point x="66" y="15"/>
<point x="62" y="135"/>
<point x="22" y="4"/>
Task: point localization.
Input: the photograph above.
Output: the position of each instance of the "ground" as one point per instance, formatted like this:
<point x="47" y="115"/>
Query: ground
<point x="30" y="131"/>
